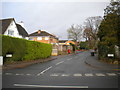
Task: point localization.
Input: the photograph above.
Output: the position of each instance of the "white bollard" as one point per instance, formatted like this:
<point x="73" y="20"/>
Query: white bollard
<point x="1" y="60"/>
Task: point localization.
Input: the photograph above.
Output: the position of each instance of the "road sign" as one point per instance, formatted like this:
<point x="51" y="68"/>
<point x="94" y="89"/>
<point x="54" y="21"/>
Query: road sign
<point x="8" y="55"/>
<point x="110" y="55"/>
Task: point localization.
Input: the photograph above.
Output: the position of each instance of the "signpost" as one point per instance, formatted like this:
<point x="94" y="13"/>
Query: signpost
<point x="1" y="60"/>
<point x="8" y="55"/>
<point x="110" y="55"/>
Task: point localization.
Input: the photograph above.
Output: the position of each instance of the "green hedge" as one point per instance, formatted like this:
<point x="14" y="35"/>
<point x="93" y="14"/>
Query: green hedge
<point x="22" y="49"/>
<point x="36" y="50"/>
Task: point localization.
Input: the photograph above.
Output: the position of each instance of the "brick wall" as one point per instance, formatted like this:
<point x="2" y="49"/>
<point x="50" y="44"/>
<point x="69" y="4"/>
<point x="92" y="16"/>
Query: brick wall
<point x="50" y="40"/>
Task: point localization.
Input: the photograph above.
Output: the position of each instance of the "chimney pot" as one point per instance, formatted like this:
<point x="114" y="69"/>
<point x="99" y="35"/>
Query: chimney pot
<point x="39" y="31"/>
<point x="21" y="23"/>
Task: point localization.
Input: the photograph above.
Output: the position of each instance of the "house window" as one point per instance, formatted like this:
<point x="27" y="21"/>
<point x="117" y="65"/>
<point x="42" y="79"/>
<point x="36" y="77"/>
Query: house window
<point x="31" y="38"/>
<point x="10" y="32"/>
<point x="46" y="38"/>
<point x="39" y="38"/>
<point x="11" y="24"/>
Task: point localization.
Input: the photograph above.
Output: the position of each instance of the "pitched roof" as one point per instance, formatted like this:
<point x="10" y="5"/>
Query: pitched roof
<point x="42" y="33"/>
<point x="62" y="41"/>
<point x="21" y="30"/>
<point x="65" y="41"/>
<point x="4" y="23"/>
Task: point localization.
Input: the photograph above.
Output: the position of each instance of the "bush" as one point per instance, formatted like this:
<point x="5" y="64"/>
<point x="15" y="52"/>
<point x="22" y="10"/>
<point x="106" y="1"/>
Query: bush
<point x="104" y="50"/>
<point x="22" y="49"/>
<point x="37" y="50"/>
<point x="84" y="45"/>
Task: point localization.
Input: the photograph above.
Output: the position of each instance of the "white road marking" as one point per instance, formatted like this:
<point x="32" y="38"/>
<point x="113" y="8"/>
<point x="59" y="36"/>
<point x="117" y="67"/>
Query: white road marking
<point x="65" y="75"/>
<point x="69" y="59"/>
<point x="19" y="74"/>
<point x="8" y="73"/>
<point x="100" y="74"/>
<point x="55" y="75"/>
<point x="23" y="85"/>
<point x="59" y="63"/>
<point x="111" y="74"/>
<point x="77" y="75"/>
<point x="44" y="71"/>
<point x="88" y="74"/>
<point x="28" y="74"/>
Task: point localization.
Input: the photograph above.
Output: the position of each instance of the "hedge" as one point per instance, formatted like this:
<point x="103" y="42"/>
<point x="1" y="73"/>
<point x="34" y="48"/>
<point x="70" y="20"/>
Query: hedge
<point x="22" y="49"/>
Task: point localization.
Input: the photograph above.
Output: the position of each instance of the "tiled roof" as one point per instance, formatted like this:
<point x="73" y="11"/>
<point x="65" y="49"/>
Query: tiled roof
<point x="42" y="33"/>
<point x="62" y="41"/>
<point x="21" y="30"/>
<point x="4" y="23"/>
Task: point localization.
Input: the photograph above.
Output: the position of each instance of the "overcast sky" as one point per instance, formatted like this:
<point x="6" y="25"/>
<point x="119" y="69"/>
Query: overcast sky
<point x="53" y="17"/>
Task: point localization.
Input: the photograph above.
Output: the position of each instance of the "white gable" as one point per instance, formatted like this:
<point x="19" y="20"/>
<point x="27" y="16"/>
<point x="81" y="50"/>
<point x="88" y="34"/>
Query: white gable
<point x="12" y="30"/>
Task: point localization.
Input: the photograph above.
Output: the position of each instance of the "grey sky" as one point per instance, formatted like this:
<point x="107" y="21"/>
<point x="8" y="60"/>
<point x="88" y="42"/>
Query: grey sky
<point x="53" y="17"/>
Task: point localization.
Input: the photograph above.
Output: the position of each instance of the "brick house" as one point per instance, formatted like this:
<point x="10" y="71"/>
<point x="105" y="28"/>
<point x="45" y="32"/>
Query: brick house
<point x="45" y="37"/>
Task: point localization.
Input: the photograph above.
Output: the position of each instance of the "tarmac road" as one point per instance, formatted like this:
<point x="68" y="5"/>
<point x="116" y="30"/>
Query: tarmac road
<point x="69" y="71"/>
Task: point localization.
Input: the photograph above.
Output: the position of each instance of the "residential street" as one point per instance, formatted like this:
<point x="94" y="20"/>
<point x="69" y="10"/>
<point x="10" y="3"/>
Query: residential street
<point x="70" y="71"/>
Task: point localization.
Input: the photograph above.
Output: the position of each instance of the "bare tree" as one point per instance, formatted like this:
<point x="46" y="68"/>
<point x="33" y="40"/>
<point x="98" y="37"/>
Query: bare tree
<point x="91" y="30"/>
<point x="75" y="32"/>
<point x="86" y="33"/>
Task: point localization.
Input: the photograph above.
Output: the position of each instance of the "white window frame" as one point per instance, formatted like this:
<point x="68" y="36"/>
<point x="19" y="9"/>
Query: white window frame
<point x="10" y="32"/>
<point x="31" y="38"/>
<point x="46" y="38"/>
<point x="39" y="38"/>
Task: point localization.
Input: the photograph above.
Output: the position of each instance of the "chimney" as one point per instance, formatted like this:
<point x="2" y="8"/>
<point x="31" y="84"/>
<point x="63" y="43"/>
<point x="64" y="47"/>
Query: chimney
<point x="21" y="23"/>
<point x="39" y="31"/>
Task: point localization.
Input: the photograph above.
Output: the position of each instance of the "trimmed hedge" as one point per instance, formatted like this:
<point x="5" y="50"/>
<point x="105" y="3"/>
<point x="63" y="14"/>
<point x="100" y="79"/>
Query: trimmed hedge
<point x="37" y="50"/>
<point x="22" y="49"/>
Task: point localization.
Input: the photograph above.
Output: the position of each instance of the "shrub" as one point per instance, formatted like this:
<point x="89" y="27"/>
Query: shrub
<point x="104" y="50"/>
<point x="36" y="50"/>
<point x="22" y="49"/>
<point x="83" y="45"/>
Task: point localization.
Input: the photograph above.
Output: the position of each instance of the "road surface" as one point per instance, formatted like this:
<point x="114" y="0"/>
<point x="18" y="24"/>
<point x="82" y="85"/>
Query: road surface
<point x="69" y="71"/>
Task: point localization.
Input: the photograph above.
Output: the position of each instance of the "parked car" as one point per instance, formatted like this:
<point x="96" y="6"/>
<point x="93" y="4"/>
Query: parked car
<point x="92" y="52"/>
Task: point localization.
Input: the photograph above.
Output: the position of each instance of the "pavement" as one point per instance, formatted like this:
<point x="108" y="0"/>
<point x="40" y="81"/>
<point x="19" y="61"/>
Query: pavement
<point x="95" y="63"/>
<point x="23" y="64"/>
